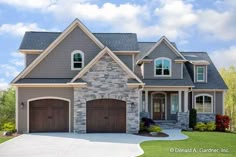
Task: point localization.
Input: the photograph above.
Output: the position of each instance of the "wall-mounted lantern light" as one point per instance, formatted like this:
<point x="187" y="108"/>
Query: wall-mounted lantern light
<point x="22" y="105"/>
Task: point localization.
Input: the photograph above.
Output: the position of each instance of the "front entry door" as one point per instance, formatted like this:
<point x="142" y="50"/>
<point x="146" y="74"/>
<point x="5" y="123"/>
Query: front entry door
<point x="159" y="107"/>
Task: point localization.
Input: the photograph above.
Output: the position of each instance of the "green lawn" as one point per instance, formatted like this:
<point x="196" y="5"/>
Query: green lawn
<point x="195" y="145"/>
<point x="3" y="139"/>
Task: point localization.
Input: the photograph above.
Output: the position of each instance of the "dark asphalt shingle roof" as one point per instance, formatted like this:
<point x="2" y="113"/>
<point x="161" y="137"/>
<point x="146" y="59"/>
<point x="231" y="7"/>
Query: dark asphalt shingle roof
<point x="214" y="80"/>
<point x="192" y="56"/>
<point x="38" y="40"/>
<point x="118" y="41"/>
<point x="115" y="41"/>
<point x="44" y="80"/>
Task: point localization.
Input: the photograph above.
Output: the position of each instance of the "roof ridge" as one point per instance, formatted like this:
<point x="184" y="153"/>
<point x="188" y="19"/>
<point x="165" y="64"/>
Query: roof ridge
<point x="41" y="32"/>
<point x="146" y="42"/>
<point x="112" y="33"/>
<point x="193" y="52"/>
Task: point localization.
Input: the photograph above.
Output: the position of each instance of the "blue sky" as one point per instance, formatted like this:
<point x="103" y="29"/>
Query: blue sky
<point x="207" y="25"/>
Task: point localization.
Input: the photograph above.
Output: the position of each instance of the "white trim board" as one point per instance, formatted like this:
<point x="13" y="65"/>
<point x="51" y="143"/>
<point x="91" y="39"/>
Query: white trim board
<point x="17" y="109"/>
<point x="62" y="36"/>
<point x="106" y="50"/>
<point x="49" y="97"/>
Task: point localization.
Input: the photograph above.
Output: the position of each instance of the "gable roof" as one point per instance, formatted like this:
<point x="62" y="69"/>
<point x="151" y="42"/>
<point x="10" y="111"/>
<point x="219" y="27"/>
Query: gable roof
<point x="106" y="50"/>
<point x="214" y="79"/>
<point x="114" y="41"/>
<point x="169" y="44"/>
<point x="67" y="31"/>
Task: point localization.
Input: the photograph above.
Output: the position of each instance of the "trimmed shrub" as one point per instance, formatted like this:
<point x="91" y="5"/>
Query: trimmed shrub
<point x="210" y="126"/>
<point x="142" y="127"/>
<point x="147" y="121"/>
<point x="192" y="118"/>
<point x="222" y="122"/>
<point x="200" y="126"/>
<point x="10" y="127"/>
<point x="154" y="128"/>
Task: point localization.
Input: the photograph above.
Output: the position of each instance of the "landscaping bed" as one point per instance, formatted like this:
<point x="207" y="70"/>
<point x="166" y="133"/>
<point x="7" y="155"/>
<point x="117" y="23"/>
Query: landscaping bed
<point x="147" y="134"/>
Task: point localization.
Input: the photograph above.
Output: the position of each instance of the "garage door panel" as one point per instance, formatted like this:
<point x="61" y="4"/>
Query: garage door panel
<point x="106" y="115"/>
<point x="49" y="115"/>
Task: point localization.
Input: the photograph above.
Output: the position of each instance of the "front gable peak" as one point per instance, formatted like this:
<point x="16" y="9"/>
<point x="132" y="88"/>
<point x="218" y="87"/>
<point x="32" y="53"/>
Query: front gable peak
<point x="76" y="23"/>
<point x="105" y="51"/>
<point x="159" y="42"/>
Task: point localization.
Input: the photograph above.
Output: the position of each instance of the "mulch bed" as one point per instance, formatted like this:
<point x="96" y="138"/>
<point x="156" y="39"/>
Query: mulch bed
<point x="147" y="134"/>
<point x="13" y="135"/>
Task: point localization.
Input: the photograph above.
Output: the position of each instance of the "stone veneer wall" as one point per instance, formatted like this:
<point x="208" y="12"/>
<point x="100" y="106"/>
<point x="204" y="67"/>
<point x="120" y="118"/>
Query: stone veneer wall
<point x="183" y="120"/>
<point x="205" y="117"/>
<point x="106" y="79"/>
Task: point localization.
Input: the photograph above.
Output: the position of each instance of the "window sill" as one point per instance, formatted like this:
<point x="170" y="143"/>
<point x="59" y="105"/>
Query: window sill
<point x="162" y="75"/>
<point x="76" y="69"/>
<point x="205" y="112"/>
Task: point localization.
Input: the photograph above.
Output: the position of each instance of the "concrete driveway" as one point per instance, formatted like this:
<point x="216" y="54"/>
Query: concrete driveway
<point x="78" y="145"/>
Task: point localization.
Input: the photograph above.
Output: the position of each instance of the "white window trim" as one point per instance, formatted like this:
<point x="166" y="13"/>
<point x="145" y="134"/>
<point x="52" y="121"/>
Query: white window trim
<point x="72" y="59"/>
<point x="212" y="104"/>
<point x="204" y="73"/>
<point x="171" y="95"/>
<point x="163" y="58"/>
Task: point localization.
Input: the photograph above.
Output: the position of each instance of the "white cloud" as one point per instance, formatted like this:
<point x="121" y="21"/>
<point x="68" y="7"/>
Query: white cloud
<point x="173" y="18"/>
<point x="17" y="59"/>
<point x="3" y="84"/>
<point x="220" y="25"/>
<point x="33" y="4"/>
<point x="8" y="70"/>
<point x="19" y="29"/>
<point x="224" y="57"/>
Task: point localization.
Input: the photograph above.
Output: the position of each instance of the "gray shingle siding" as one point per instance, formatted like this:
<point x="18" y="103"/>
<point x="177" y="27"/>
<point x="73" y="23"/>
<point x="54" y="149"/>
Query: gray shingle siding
<point x="128" y="42"/>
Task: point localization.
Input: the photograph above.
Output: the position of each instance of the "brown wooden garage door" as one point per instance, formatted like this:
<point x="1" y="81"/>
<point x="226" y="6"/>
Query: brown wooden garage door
<point x="106" y="115"/>
<point x="49" y="115"/>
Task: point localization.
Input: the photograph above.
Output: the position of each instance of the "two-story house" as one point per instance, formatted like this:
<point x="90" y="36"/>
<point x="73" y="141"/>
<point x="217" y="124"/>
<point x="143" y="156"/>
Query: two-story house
<point x="79" y="81"/>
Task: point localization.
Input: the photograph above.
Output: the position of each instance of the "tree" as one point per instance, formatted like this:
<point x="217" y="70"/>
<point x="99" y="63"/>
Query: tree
<point x="229" y="76"/>
<point x="7" y="106"/>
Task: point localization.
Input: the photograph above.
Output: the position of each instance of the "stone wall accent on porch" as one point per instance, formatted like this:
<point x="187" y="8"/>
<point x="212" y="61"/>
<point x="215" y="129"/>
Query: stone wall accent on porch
<point x="183" y="120"/>
<point x="106" y="79"/>
<point x="206" y="117"/>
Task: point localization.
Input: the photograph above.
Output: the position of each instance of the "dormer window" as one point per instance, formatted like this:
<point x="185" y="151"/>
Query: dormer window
<point x="77" y="60"/>
<point x="200" y="74"/>
<point x="162" y="67"/>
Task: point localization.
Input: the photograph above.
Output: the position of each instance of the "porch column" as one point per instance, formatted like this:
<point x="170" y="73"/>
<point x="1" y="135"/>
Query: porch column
<point x="180" y="101"/>
<point x="185" y="101"/>
<point x="140" y="101"/>
<point x="146" y="100"/>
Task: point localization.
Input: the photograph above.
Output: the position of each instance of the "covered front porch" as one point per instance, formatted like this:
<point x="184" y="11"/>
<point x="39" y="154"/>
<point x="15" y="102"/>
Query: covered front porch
<point x="166" y="105"/>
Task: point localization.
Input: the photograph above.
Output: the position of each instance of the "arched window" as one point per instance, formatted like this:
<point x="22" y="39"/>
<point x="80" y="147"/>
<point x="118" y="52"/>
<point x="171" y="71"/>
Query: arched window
<point x="203" y="103"/>
<point x="162" y="67"/>
<point x="77" y="60"/>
